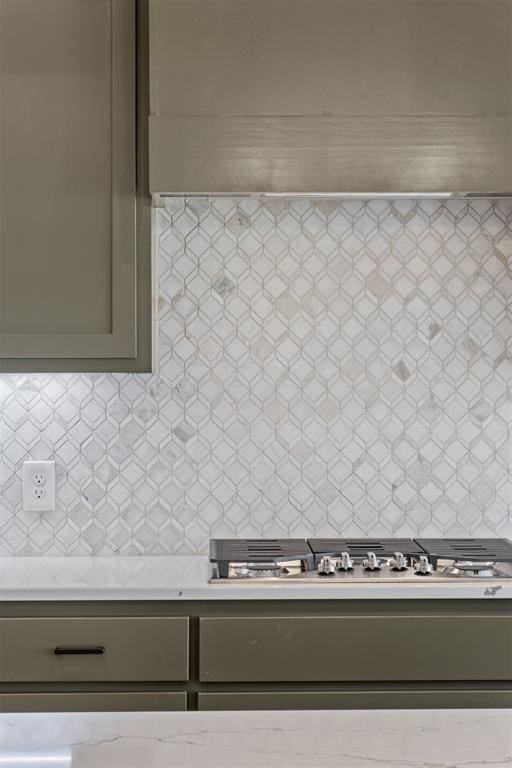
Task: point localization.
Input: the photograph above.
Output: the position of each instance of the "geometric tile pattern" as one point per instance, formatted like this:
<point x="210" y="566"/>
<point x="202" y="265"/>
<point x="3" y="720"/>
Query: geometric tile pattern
<point x="324" y="368"/>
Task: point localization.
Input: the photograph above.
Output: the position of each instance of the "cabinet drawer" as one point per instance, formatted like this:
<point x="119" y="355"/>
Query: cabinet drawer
<point x="357" y="648"/>
<point x="93" y="702"/>
<point x="93" y="649"/>
<point x="367" y="699"/>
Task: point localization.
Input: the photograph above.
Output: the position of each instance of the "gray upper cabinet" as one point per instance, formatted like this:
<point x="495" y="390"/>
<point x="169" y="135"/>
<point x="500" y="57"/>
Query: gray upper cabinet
<point x="74" y="219"/>
<point x="333" y="96"/>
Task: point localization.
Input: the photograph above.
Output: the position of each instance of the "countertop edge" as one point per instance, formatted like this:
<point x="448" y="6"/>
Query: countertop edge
<point x="269" y="592"/>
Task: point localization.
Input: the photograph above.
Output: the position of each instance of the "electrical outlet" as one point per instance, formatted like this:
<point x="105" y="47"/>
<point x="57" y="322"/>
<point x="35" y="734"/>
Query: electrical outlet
<point x="38" y="486"/>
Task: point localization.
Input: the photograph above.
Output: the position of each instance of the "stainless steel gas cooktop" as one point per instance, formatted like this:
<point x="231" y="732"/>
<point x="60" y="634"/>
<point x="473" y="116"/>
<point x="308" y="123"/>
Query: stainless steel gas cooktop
<point x="359" y="560"/>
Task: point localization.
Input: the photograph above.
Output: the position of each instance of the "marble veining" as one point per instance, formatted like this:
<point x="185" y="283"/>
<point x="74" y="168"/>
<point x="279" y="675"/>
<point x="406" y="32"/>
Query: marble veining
<point x="186" y="578"/>
<point x="469" y="738"/>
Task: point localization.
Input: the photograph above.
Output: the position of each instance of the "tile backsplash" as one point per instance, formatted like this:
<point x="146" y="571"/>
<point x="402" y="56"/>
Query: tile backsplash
<point x="324" y="367"/>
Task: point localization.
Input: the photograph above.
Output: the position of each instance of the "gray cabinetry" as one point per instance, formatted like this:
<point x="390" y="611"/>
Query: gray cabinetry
<point x="93" y="649"/>
<point x="255" y="654"/>
<point x="303" y="96"/>
<point x="93" y="702"/>
<point x="349" y="648"/>
<point x="365" y="698"/>
<point x="74" y="219"/>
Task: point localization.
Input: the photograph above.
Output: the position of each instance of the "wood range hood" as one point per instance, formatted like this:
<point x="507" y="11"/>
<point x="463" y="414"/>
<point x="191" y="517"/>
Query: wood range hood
<point x="331" y="97"/>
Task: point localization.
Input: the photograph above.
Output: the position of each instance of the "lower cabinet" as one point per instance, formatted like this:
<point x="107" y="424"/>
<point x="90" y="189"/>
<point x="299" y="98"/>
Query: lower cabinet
<point x="250" y="655"/>
<point x="355" y="648"/>
<point x="94" y="649"/>
<point x="366" y="699"/>
<point x="93" y="702"/>
<point x="93" y="663"/>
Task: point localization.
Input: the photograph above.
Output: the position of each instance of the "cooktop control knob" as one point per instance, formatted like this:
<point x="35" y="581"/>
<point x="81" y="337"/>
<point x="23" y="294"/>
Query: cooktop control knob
<point x="423" y="567"/>
<point x="398" y="562"/>
<point x="326" y="566"/>
<point x="344" y="563"/>
<point x="372" y="562"/>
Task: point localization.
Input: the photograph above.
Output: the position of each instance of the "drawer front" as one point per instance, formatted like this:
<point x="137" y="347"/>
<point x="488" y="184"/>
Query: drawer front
<point x="93" y="702"/>
<point x="93" y="649"/>
<point x="356" y="648"/>
<point x="382" y="699"/>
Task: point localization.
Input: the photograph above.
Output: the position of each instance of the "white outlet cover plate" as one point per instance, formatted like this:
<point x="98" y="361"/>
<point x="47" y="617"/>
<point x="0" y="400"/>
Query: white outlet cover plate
<point x="30" y="501"/>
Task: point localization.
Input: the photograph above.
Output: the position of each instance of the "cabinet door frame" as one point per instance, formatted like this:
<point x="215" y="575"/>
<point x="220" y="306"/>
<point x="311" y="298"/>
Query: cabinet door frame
<point x="128" y="346"/>
<point x="271" y="649"/>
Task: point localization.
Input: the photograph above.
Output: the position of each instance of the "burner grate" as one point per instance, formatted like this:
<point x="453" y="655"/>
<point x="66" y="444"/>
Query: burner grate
<point x="257" y="549"/>
<point x="497" y="550"/>
<point x="357" y="548"/>
<point x="226" y="551"/>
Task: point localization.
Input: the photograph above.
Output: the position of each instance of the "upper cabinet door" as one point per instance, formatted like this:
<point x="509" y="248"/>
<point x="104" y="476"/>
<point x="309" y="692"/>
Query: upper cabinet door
<point x="68" y="187"/>
<point x="336" y="96"/>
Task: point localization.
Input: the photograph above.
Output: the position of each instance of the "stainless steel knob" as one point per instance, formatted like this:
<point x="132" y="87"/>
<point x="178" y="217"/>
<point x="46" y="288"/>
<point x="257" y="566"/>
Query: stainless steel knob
<point x="372" y="562"/>
<point x="326" y="566"/>
<point x="423" y="567"/>
<point x="344" y="563"/>
<point x="398" y="562"/>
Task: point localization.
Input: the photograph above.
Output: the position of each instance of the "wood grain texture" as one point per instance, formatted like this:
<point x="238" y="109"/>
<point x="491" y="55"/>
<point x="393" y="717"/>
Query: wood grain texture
<point x="306" y="96"/>
<point x="331" y="154"/>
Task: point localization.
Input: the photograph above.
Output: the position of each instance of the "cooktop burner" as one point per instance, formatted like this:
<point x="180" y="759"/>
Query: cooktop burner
<point x="468" y="549"/>
<point x="229" y="555"/>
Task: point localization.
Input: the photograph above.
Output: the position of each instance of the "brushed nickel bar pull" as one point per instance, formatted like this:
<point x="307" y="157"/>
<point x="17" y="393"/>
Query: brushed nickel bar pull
<point x="79" y="650"/>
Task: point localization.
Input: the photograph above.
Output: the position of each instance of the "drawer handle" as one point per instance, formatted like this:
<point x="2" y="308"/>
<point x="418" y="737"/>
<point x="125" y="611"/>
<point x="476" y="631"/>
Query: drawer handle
<point x="79" y="650"/>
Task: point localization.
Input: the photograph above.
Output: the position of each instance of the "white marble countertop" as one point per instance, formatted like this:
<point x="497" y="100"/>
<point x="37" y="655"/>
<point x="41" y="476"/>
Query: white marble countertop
<point x="463" y="738"/>
<point x="186" y="578"/>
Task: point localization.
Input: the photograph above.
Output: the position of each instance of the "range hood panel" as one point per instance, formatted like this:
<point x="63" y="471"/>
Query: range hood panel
<point x="331" y="96"/>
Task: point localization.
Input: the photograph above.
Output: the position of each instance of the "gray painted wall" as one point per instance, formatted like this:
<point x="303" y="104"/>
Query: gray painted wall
<point x="323" y="368"/>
